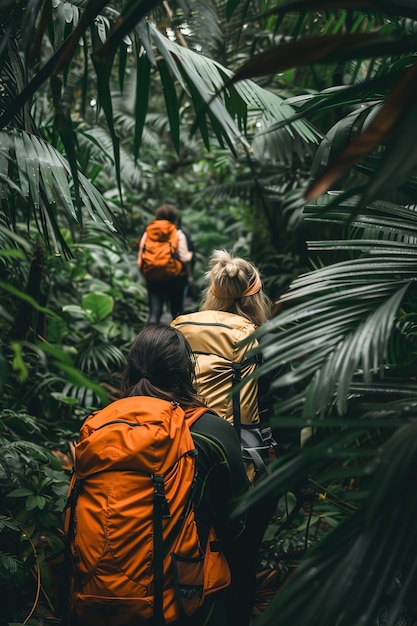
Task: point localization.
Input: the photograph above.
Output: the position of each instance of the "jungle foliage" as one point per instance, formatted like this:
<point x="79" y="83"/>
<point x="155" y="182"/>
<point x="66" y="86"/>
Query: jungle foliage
<point x="285" y="130"/>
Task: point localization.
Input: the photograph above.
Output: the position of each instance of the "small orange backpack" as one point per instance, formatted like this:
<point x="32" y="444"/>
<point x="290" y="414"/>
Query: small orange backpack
<point x="131" y="530"/>
<point x="158" y="260"/>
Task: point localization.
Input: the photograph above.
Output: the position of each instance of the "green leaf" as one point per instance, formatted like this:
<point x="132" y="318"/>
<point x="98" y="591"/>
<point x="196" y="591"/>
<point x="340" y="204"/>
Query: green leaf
<point x="32" y="503"/>
<point x="19" y="493"/>
<point x="63" y="124"/>
<point x="171" y="102"/>
<point x="12" y="253"/>
<point x="122" y="66"/>
<point x="98" y="306"/>
<point x="7" y="522"/>
<point x="231" y="6"/>
<point x="143" y="69"/>
<point x="18" y="364"/>
<point x="75" y="309"/>
<point x="205" y="79"/>
<point x="40" y="502"/>
<point x="26" y="298"/>
<point x="50" y="178"/>
<point x="103" y="68"/>
<point x="78" y="379"/>
<point x="131" y="16"/>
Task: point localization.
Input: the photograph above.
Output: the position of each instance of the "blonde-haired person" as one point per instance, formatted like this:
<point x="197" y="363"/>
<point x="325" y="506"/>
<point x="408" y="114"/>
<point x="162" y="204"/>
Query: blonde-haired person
<point x="234" y="285"/>
<point x="233" y="306"/>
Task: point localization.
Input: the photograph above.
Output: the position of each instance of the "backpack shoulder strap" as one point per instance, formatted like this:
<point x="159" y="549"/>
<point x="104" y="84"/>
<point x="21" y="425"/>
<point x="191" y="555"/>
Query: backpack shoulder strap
<point x="69" y="530"/>
<point x="174" y="240"/>
<point x="192" y="415"/>
<point x="256" y="359"/>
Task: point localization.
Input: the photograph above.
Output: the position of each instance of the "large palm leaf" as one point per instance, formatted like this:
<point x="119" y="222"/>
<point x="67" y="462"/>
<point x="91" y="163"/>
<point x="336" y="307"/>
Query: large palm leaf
<point x="44" y="179"/>
<point x="338" y="319"/>
<point x="204" y="75"/>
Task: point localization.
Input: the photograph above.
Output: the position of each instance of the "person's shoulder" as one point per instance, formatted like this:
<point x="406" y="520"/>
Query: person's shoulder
<point x="216" y="317"/>
<point x="210" y="418"/>
<point x="214" y="427"/>
<point x="182" y="237"/>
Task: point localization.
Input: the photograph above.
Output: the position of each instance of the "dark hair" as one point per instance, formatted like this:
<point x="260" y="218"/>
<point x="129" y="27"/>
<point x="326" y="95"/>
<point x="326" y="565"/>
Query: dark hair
<point x="161" y="364"/>
<point x="167" y="212"/>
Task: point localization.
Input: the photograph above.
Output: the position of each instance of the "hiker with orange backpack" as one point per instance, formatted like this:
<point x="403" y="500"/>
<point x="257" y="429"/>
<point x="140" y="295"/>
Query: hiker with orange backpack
<point x="149" y="535"/>
<point x="164" y="260"/>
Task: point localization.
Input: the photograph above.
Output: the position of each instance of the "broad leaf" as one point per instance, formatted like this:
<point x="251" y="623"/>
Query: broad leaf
<point x="97" y="306"/>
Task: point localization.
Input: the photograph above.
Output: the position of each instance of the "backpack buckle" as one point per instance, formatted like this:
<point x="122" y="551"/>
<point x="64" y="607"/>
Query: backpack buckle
<point x="159" y="493"/>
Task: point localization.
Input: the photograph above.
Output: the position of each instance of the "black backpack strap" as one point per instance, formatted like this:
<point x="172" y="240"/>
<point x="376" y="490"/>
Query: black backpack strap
<point x="68" y="565"/>
<point x="160" y="512"/>
<point x="252" y="455"/>
<point x="161" y="547"/>
<point x="236" y="378"/>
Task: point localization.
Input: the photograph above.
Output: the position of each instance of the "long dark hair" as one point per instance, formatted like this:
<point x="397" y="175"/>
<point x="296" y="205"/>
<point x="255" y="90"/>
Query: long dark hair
<point x="161" y="364"/>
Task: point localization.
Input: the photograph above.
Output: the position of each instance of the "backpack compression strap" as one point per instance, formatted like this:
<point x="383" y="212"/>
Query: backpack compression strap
<point x="160" y="547"/>
<point x="160" y="512"/>
<point x="236" y="378"/>
<point x="68" y="561"/>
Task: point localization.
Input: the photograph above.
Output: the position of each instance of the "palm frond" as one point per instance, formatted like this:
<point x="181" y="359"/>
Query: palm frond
<point x="99" y="145"/>
<point x="337" y="321"/>
<point x="95" y="357"/>
<point x="200" y="29"/>
<point x="242" y="101"/>
<point x="9" y="565"/>
<point x="45" y="182"/>
<point x="343" y="328"/>
<point x="372" y="7"/>
<point x="379" y="538"/>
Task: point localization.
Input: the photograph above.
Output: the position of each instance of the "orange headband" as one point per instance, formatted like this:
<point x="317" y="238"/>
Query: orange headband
<point x="256" y="287"/>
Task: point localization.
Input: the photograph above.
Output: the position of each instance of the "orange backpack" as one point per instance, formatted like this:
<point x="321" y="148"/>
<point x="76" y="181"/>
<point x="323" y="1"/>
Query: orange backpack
<point x="158" y="259"/>
<point x="130" y="524"/>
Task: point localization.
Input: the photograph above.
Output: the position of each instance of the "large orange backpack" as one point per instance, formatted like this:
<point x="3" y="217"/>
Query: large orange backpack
<point x="158" y="260"/>
<point x="131" y="529"/>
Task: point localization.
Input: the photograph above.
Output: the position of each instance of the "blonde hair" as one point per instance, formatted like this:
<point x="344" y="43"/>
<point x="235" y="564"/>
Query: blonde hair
<point x="234" y="285"/>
